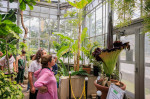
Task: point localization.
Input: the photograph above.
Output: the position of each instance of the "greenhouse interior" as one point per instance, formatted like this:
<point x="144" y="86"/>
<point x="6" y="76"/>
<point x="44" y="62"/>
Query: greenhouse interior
<point x="74" y="49"/>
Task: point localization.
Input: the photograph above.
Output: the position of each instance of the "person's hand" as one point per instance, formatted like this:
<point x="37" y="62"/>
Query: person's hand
<point x="32" y="89"/>
<point x="16" y="71"/>
<point x="43" y="89"/>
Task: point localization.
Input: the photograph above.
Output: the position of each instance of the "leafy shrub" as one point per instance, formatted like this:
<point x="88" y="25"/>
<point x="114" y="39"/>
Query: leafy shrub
<point x="9" y="89"/>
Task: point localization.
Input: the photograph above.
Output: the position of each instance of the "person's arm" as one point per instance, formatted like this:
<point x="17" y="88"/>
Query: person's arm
<point x="1" y="54"/>
<point x="2" y="68"/>
<point x="2" y="63"/>
<point x="16" y="66"/>
<point x="30" y="74"/>
<point x="42" y="82"/>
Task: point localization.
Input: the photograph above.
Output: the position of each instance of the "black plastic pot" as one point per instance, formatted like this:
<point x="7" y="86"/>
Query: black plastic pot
<point x="95" y="70"/>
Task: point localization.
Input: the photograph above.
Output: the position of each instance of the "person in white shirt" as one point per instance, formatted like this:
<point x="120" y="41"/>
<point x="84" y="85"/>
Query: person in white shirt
<point x="3" y="64"/>
<point x="34" y="66"/>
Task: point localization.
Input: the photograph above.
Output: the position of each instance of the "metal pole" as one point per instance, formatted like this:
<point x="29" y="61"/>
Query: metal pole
<point x="69" y="85"/>
<point x="86" y="86"/>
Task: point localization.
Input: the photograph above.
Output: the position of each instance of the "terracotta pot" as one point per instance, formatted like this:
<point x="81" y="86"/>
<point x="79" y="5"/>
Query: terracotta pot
<point x="88" y="70"/>
<point x="105" y="89"/>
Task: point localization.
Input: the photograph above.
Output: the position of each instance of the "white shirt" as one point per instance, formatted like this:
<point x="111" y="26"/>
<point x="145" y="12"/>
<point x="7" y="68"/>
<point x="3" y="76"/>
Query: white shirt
<point x="34" y="66"/>
<point x="3" y="63"/>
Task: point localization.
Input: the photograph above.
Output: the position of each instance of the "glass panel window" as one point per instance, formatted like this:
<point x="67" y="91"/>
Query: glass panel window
<point x="34" y="27"/>
<point x="4" y="3"/>
<point x="100" y="40"/>
<point x="92" y="24"/>
<point x="147" y="67"/>
<point x="35" y="14"/>
<point x="127" y="66"/>
<point x="13" y="5"/>
<point x="53" y="11"/>
<point x="36" y="9"/>
<point x="99" y="21"/>
<point x="45" y="10"/>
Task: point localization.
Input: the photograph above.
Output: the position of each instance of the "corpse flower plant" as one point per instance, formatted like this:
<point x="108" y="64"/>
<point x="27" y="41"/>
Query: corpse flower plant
<point x="109" y="56"/>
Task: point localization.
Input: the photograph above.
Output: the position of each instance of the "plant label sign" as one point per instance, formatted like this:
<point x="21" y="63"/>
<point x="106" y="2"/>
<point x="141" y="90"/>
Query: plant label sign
<point x="115" y="92"/>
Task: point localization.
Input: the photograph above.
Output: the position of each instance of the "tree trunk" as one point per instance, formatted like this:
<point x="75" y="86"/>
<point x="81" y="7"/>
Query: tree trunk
<point x="79" y="39"/>
<point x="25" y="29"/>
<point x="75" y="62"/>
<point x="79" y="44"/>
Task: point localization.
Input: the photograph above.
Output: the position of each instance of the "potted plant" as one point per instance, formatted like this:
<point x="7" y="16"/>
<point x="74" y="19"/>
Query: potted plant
<point x="109" y="57"/>
<point x="87" y="50"/>
<point x="87" y="68"/>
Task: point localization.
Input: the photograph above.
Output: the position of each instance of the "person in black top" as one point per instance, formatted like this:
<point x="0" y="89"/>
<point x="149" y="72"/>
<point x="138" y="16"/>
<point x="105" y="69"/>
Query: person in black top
<point x="55" y="67"/>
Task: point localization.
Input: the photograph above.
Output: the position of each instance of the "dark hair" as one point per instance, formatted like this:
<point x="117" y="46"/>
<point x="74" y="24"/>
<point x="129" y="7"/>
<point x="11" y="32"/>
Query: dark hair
<point x="9" y="56"/>
<point x="23" y="52"/>
<point x="38" y="55"/>
<point x="45" y="59"/>
<point x="31" y="56"/>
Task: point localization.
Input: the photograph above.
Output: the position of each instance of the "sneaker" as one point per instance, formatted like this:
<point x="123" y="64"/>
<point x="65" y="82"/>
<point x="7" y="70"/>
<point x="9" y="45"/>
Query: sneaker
<point x="27" y="91"/>
<point x="22" y="86"/>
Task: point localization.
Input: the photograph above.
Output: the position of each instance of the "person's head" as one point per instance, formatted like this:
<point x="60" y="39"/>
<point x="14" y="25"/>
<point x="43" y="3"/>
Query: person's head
<point x="47" y="61"/>
<point x="23" y="52"/>
<point x="39" y="54"/>
<point x="9" y="55"/>
<point x="32" y="57"/>
<point x="55" y="58"/>
<point x="44" y="52"/>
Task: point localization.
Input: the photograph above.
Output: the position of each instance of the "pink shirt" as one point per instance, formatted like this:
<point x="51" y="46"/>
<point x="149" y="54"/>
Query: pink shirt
<point x="45" y="77"/>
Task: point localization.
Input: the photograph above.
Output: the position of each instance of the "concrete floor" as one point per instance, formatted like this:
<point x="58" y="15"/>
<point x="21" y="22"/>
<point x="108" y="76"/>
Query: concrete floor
<point x="26" y="94"/>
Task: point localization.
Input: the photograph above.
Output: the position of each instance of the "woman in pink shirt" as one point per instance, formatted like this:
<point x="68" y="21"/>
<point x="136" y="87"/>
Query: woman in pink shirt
<point x="45" y="77"/>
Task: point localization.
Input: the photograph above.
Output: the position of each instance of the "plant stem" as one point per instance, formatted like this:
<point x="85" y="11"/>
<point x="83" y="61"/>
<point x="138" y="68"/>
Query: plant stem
<point x="79" y="38"/>
<point x="25" y="29"/>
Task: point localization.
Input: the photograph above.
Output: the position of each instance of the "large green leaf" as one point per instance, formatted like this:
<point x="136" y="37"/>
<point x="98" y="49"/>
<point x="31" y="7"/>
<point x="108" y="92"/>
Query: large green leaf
<point x="33" y="2"/>
<point x="63" y="68"/>
<point x="22" y="5"/>
<point x="30" y="6"/>
<point x="63" y="36"/>
<point x="8" y="22"/>
<point x="11" y="15"/>
<point x="62" y="51"/>
<point x="20" y="1"/>
<point x="89" y="1"/>
<point x="84" y="34"/>
<point x="81" y="4"/>
<point x="71" y="3"/>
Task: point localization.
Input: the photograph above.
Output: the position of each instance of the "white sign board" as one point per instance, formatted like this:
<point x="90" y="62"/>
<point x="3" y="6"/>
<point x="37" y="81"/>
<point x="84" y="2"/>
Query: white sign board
<point x="115" y="92"/>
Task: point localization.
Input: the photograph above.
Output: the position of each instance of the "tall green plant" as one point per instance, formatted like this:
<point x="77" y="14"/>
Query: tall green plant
<point x="79" y="5"/>
<point x="8" y="34"/>
<point x="88" y="49"/>
<point x="72" y="45"/>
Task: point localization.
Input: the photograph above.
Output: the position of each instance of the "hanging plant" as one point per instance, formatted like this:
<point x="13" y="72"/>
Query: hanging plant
<point x="124" y="10"/>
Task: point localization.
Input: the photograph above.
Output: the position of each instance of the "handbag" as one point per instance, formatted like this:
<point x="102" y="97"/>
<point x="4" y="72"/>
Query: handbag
<point x="21" y="67"/>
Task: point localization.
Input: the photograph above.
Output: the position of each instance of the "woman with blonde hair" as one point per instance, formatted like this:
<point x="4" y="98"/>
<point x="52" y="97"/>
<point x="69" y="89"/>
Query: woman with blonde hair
<point x="45" y="77"/>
